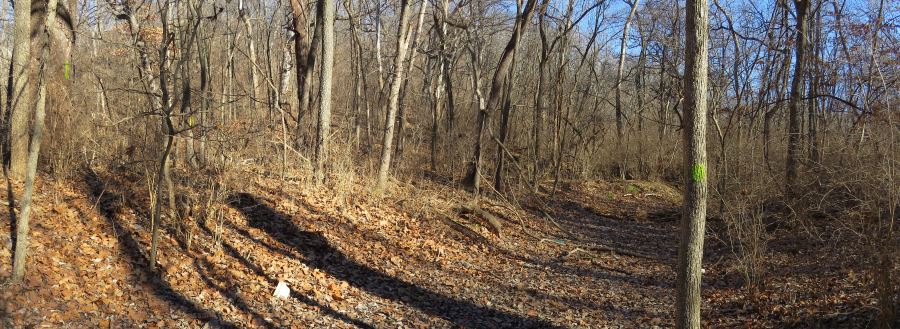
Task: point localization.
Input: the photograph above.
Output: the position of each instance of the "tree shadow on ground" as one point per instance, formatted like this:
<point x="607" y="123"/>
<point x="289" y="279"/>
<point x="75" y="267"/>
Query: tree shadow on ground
<point x="317" y="253"/>
<point x="256" y="269"/>
<point x="653" y="239"/>
<point x="109" y="205"/>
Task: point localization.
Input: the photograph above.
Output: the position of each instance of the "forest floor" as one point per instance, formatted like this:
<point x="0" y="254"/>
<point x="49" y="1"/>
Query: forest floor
<point x="594" y="255"/>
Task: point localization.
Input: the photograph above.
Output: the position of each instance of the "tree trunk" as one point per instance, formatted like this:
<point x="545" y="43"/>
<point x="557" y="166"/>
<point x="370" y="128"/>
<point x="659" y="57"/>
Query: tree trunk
<point x="620" y="124"/>
<point x="813" y="106"/>
<point x="693" y="220"/>
<point x="434" y="95"/>
<point x="496" y="92"/>
<point x="394" y="101"/>
<point x="304" y="92"/>
<point x="323" y="128"/>
<point x="163" y="107"/>
<point x="504" y="132"/>
<point x="302" y="55"/>
<point x="22" y="224"/>
<point x="21" y="97"/>
<point x="539" y="113"/>
<point x="401" y="116"/>
<point x="251" y="52"/>
<point x="794" y="129"/>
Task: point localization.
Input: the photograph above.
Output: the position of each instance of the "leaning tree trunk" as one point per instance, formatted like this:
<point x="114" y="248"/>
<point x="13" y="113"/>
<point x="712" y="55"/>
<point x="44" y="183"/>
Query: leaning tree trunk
<point x="794" y="133"/>
<point x="495" y="97"/>
<point x="323" y="128"/>
<point x="693" y="217"/>
<point x="22" y="225"/>
<point x="394" y="101"/>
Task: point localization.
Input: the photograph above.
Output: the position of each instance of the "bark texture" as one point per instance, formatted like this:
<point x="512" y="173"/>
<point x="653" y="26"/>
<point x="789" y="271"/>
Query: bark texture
<point x="323" y="129"/>
<point x="693" y="217"/>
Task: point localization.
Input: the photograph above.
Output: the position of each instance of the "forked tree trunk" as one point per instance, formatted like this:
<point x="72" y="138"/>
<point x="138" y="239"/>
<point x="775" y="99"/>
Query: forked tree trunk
<point x="163" y="107"/>
<point x="394" y="101"/>
<point x="22" y="224"/>
<point x="500" y="80"/>
<point x="401" y="116"/>
<point x="693" y="217"/>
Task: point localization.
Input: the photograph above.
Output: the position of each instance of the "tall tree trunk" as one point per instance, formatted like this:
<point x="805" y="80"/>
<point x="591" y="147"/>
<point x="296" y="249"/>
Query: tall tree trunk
<point x="22" y="224"/>
<point x="164" y="108"/>
<point x="504" y="132"/>
<point x="693" y="217"/>
<point x="620" y="123"/>
<point x="323" y="128"/>
<point x="394" y="101"/>
<point x="816" y="79"/>
<point x="436" y="108"/>
<point x="401" y="116"/>
<point x="21" y="97"/>
<point x="794" y="133"/>
<point x="640" y="90"/>
<point x="300" y="17"/>
<point x="305" y="92"/>
<point x="539" y="115"/>
<point x="251" y="54"/>
<point x="281" y="102"/>
<point x="446" y="73"/>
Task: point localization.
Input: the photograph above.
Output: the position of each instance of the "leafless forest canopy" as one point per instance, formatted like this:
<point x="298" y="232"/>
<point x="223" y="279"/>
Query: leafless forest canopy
<point x="569" y="137"/>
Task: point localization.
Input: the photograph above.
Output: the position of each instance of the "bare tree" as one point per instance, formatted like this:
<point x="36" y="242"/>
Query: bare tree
<point x="693" y="217"/>
<point x="414" y="42"/>
<point x="394" y="101"/>
<point x="794" y="129"/>
<point x="501" y="76"/>
<point x="620" y="113"/>
<point x="323" y="127"/>
<point x="22" y="225"/>
<point x="244" y="15"/>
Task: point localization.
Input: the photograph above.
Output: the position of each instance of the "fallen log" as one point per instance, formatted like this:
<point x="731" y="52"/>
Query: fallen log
<point x="465" y="230"/>
<point x="495" y="226"/>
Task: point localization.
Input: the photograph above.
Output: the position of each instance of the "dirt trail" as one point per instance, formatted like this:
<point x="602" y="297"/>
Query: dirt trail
<point x="596" y="255"/>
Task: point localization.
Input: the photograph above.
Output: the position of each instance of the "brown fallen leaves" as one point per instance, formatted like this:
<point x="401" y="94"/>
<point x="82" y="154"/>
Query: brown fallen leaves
<point x="379" y="256"/>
